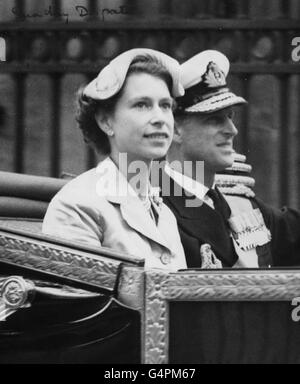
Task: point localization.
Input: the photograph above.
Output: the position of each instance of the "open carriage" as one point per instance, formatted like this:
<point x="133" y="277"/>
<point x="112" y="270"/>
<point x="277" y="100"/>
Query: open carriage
<point x="62" y="302"/>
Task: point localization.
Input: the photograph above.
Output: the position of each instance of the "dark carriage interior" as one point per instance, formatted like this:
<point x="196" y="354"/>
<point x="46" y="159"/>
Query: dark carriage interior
<point x="230" y="332"/>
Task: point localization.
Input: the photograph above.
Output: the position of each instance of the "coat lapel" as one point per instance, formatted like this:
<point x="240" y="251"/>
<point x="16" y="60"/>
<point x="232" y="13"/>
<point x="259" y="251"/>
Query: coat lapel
<point x="139" y="219"/>
<point x="115" y="188"/>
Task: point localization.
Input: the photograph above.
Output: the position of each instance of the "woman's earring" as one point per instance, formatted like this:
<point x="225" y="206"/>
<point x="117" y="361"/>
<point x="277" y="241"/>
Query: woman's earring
<point x="110" y="133"/>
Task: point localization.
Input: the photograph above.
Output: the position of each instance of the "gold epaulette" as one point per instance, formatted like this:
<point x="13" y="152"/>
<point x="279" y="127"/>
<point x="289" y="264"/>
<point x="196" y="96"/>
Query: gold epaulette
<point x="236" y="179"/>
<point x="237" y="190"/>
<point x="239" y="167"/>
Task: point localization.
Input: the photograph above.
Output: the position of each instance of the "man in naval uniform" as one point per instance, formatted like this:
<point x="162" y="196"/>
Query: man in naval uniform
<point x="218" y="230"/>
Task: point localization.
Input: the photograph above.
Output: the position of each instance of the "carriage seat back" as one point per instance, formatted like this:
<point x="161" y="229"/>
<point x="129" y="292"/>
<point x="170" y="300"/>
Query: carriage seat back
<point x="24" y="199"/>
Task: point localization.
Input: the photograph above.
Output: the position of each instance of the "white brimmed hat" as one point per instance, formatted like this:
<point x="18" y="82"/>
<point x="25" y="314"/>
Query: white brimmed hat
<point x="112" y="77"/>
<point x="204" y="80"/>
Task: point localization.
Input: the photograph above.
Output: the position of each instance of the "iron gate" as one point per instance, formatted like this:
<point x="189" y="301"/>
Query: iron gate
<point x="53" y="46"/>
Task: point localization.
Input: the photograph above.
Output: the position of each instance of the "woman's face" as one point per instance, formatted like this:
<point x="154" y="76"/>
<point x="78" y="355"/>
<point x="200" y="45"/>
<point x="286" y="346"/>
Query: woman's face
<point x="142" y="121"/>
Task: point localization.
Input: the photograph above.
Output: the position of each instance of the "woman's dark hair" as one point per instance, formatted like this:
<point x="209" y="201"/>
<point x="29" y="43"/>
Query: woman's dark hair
<point x="87" y="107"/>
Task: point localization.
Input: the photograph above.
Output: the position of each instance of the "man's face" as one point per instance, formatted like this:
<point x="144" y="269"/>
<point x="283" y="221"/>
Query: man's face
<point x="209" y="138"/>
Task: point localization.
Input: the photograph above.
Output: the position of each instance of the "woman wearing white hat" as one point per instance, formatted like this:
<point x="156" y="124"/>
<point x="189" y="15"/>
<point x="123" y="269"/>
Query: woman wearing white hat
<point x="126" y="112"/>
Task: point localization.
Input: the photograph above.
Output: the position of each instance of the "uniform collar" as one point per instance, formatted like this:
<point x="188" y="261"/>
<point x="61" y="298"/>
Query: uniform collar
<point x="187" y="183"/>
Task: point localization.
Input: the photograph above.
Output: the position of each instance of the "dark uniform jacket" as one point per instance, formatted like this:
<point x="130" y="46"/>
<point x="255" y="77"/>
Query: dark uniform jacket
<point x="204" y="225"/>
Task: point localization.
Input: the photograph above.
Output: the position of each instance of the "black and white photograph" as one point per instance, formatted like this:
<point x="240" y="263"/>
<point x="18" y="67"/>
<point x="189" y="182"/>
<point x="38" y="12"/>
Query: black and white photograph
<point x="149" y="184"/>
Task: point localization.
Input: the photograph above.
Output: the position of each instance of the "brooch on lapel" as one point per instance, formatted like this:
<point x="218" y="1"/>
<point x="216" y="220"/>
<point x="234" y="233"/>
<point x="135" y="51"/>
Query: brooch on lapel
<point x="154" y="196"/>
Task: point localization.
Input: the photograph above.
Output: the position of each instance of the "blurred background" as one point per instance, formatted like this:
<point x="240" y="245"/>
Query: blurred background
<point x="54" y="46"/>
